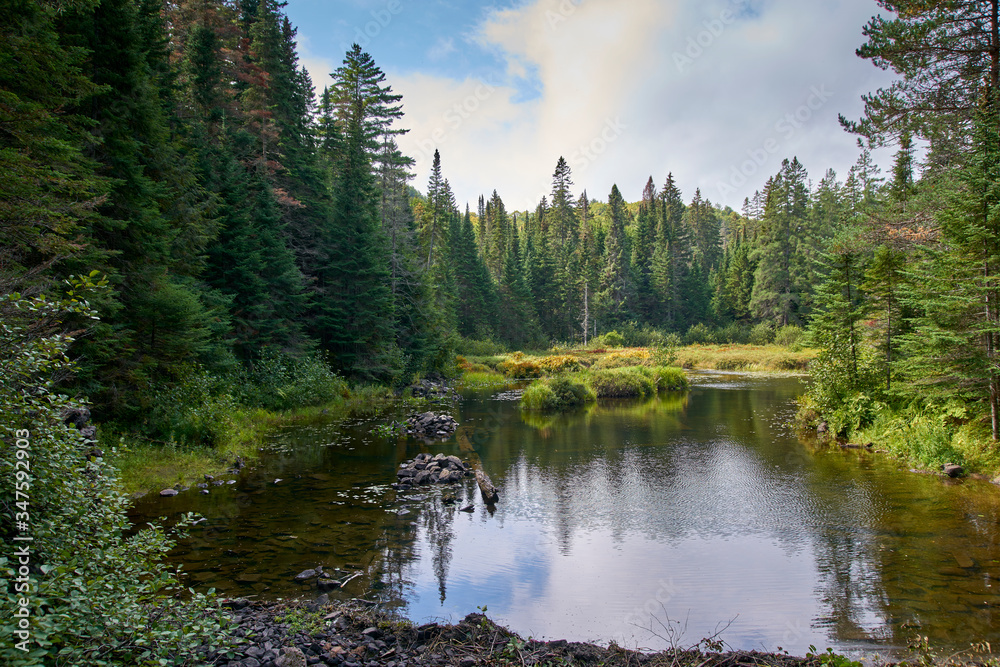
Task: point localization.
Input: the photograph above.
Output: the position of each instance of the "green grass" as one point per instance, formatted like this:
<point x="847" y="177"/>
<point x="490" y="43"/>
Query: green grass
<point x="147" y="466"/>
<point x="575" y="389"/>
<point x="483" y="380"/>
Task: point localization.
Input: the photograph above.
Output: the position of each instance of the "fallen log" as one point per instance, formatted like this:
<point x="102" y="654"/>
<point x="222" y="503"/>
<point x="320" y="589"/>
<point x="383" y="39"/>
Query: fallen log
<point x="490" y="494"/>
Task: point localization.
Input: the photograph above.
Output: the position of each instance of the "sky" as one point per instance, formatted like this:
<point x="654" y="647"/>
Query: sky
<point x="716" y="92"/>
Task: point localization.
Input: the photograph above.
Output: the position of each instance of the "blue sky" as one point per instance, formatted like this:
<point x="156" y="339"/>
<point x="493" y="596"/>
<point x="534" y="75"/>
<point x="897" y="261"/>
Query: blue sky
<point x="716" y="92"/>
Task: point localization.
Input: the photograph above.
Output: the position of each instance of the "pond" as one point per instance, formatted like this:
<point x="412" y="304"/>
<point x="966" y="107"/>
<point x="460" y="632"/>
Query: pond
<point x="641" y="522"/>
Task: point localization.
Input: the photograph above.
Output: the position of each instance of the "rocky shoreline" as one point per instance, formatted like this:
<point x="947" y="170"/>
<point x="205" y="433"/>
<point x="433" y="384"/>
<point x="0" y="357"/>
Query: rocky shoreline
<point x="355" y="634"/>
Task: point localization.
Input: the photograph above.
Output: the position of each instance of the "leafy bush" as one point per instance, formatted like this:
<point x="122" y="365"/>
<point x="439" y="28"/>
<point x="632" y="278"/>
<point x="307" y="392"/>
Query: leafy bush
<point x="197" y="410"/>
<point x="734" y="334"/>
<point x="553" y="394"/>
<point x="789" y="336"/>
<point x="278" y="381"/>
<point x="610" y="339"/>
<point x="762" y="334"/>
<point x="664" y="352"/>
<point x="479" y="348"/>
<point x="699" y="334"/>
<point x="96" y="595"/>
<point x="621" y="383"/>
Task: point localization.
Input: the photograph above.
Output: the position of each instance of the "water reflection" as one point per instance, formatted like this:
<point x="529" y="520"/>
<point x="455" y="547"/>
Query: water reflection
<point x="701" y="507"/>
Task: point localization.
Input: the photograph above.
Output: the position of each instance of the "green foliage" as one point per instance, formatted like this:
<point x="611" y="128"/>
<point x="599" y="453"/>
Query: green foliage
<point x="622" y="383"/>
<point x="762" y="334"/>
<point x="278" y="381"/>
<point x="96" y="592"/>
<point x="664" y="352"/>
<point x="699" y="334"/>
<point x="789" y="336"/>
<point x="831" y="659"/>
<point x="667" y="378"/>
<point x="553" y="394"/>
<point x="479" y="348"/>
<point x="610" y="339"/>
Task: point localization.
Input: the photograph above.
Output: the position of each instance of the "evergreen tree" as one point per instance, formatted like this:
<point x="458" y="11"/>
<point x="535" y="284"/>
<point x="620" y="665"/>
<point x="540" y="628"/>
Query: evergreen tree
<point x="613" y="296"/>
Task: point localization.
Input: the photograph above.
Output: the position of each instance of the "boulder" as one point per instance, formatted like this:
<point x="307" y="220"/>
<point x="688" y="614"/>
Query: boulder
<point x="167" y="493"/>
<point x="953" y="470"/>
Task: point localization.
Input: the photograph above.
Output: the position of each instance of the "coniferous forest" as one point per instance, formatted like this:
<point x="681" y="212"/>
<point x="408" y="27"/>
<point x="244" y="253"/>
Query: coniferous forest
<point x="185" y="217"/>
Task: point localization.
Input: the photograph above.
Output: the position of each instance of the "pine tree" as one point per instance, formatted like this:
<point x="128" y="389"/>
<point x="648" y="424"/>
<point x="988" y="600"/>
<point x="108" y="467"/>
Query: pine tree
<point x="613" y="296"/>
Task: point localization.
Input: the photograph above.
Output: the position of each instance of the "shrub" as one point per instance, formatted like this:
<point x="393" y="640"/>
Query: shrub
<point x="734" y="334"/>
<point x="762" y="334"/>
<point x="479" y="348"/>
<point x="621" y="383"/>
<point x="610" y="339"/>
<point x="279" y="381"/>
<point x="560" y="364"/>
<point x="516" y="366"/>
<point x="622" y="359"/>
<point x="98" y="590"/>
<point x="664" y="353"/>
<point x="789" y="336"/>
<point x="699" y="334"/>
<point x="556" y="394"/>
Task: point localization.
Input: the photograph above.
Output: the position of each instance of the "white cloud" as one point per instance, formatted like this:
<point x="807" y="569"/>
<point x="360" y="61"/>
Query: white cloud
<point x="618" y="99"/>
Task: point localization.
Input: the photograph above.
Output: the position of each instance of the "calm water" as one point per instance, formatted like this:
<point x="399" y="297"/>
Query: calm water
<point x="682" y="515"/>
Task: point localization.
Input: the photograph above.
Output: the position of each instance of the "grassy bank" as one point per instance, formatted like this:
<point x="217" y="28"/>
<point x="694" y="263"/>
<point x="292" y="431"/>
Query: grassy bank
<point x="921" y="434"/>
<point x="146" y="465"/>
<point x="528" y="365"/>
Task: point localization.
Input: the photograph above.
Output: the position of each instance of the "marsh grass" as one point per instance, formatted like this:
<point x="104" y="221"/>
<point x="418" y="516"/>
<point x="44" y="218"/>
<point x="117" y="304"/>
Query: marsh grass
<point x="745" y="358"/>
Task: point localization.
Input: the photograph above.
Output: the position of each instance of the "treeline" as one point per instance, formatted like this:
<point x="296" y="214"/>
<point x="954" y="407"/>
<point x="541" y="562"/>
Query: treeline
<point x="576" y="267"/>
<point x="179" y="157"/>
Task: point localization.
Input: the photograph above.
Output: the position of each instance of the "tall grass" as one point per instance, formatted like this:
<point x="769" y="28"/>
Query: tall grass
<point x="560" y="393"/>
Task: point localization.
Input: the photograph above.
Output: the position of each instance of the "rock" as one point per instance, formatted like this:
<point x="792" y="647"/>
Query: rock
<point x="444" y="477"/>
<point x="77" y="417"/>
<point x="468" y="508"/>
<point x="963" y="560"/>
<point x="237" y="604"/>
<point x="308" y="574"/>
<point x="467" y="662"/>
<point x="953" y="470"/>
<point x="291" y="657"/>
<point x="823" y="428"/>
<point x="89" y="432"/>
<point x="997" y="481"/>
<point x="167" y="493"/>
<point x="327" y="584"/>
<point x="204" y="492"/>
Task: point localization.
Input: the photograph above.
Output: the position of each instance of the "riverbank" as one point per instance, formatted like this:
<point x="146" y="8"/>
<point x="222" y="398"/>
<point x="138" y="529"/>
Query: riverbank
<point x="146" y="466"/>
<point x="296" y="634"/>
